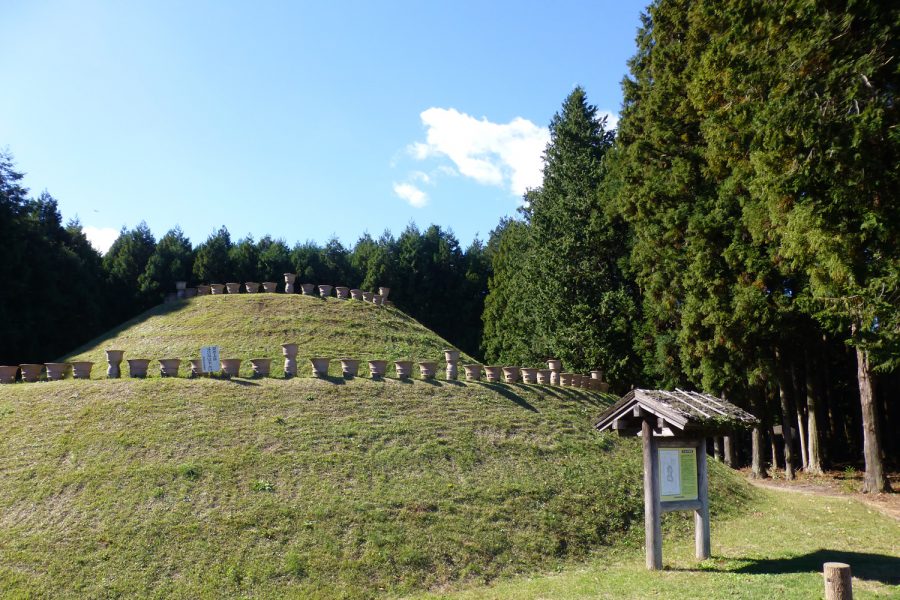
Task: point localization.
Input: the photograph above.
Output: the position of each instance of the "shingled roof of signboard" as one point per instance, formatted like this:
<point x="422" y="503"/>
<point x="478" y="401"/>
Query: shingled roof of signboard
<point x="683" y="410"/>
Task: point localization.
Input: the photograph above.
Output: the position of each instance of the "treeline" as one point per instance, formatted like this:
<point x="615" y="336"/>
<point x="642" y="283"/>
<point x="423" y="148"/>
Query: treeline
<point x="58" y="292"/>
<point x="741" y="233"/>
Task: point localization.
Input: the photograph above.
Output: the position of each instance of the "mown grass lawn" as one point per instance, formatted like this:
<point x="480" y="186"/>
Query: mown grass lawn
<point x="776" y="550"/>
<point x="303" y="488"/>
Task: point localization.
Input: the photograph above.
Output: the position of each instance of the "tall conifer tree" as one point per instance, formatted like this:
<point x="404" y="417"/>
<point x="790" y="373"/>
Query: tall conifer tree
<point x="584" y="306"/>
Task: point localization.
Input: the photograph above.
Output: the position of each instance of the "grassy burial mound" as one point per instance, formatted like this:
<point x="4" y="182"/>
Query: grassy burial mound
<point x="303" y="487"/>
<point x="255" y="325"/>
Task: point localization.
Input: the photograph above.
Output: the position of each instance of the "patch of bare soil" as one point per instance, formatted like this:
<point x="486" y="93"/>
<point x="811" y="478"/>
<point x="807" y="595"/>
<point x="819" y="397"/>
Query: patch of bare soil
<point x="847" y="484"/>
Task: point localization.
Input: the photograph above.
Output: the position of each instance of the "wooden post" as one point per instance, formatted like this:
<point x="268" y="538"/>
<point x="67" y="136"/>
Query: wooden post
<point x="838" y="584"/>
<point x="652" y="527"/>
<point x="701" y="516"/>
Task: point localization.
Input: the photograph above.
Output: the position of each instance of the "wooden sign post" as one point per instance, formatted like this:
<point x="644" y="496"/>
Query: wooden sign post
<point x="673" y="427"/>
<point x="675" y="478"/>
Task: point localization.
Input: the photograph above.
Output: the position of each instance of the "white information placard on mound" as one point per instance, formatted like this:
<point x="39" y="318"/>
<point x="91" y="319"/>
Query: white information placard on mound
<point x="209" y="359"/>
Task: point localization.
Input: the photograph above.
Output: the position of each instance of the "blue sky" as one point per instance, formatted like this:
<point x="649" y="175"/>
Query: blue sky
<point x="301" y="120"/>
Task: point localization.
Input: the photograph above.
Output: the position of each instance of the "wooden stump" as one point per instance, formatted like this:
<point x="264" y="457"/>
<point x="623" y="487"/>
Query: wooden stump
<point x="838" y="584"/>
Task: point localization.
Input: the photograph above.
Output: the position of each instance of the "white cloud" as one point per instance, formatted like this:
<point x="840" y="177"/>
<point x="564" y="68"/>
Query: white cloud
<point x="612" y="119"/>
<point x="420" y="176"/>
<point x="506" y="155"/>
<point x="416" y="197"/>
<point x="101" y="238"/>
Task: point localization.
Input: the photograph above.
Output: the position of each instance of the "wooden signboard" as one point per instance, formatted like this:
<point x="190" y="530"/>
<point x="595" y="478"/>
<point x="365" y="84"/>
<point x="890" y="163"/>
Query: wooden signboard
<point x="673" y="426"/>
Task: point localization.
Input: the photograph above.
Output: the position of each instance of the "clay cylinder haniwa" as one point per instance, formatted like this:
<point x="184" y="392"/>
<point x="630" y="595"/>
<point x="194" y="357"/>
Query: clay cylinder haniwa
<point x="451" y="355"/>
<point x="307" y="288"/>
<point x="181" y="289"/>
<point x="473" y="372"/>
<point x="565" y="379"/>
<point x="137" y="367"/>
<point x="356" y="294"/>
<point x="492" y="374"/>
<point x="349" y="367"/>
<point x="427" y="369"/>
<point x="384" y="292"/>
<point x="196" y="368"/>
<point x="377" y="368"/>
<point x="320" y="366"/>
<point x="367" y="296"/>
<point x="342" y="292"/>
<point x="113" y="360"/>
<point x="233" y="288"/>
<point x="81" y="369"/>
<point x="203" y="290"/>
<point x="377" y="299"/>
<point x="269" y="287"/>
<point x="231" y="367"/>
<point x="403" y="368"/>
<point x="289" y="279"/>
<point x="452" y="371"/>
<point x="8" y="374"/>
<point x="217" y="289"/>
<point x="168" y="367"/>
<point x="290" y="359"/>
<point x="543" y="376"/>
<point x="511" y="374"/>
<point x="252" y="287"/>
<point x="554" y="378"/>
<point x="529" y="375"/>
<point x="261" y="366"/>
<point x="31" y="372"/>
<point x="554" y="364"/>
<point x="325" y="290"/>
<point x="57" y="371"/>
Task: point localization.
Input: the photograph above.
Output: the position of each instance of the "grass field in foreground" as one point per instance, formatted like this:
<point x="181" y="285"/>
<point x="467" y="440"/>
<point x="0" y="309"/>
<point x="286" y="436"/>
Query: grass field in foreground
<point x="305" y="488"/>
<point x="775" y="551"/>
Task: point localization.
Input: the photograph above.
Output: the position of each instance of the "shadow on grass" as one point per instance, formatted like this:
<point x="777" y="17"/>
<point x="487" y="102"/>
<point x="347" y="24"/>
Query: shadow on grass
<point x="506" y="391"/>
<point x="240" y="381"/>
<point x="863" y="565"/>
<point x="156" y="311"/>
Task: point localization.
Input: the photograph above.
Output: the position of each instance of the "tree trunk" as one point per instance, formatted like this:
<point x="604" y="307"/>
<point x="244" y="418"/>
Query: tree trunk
<point x="799" y="393"/>
<point x="729" y="442"/>
<point x="874" y="480"/>
<point x="784" y="393"/>
<point x="757" y="437"/>
<point x="814" y="465"/>
<point x="717" y="448"/>
<point x="773" y="440"/>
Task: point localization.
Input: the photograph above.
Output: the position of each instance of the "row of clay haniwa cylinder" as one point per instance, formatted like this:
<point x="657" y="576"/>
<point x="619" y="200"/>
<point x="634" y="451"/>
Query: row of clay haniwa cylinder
<point x="54" y="371"/>
<point x="307" y="289"/>
<point x="169" y="367"/>
<point x="377" y="368"/>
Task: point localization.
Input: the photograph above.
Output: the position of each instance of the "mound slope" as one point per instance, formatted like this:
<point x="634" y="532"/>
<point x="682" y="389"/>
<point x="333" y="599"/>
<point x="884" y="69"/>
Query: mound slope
<point x="302" y="487"/>
<point x="255" y="325"/>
